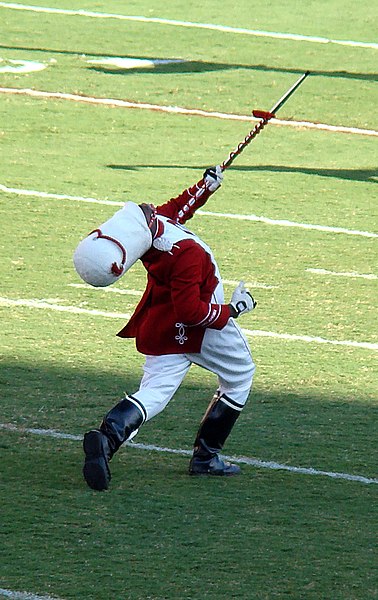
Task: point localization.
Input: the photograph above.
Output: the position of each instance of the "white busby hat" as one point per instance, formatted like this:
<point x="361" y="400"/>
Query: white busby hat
<point x="109" y="251"/>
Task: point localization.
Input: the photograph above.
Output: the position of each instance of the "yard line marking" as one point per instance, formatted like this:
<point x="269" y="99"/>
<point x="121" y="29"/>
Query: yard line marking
<point x="182" y="111"/>
<point x="259" y="219"/>
<point x="351" y="274"/>
<point x="26" y="303"/>
<point x="24" y="595"/>
<point x="254" y="462"/>
<point x="286" y="223"/>
<point x="114" y="290"/>
<point x="178" y="23"/>
<point x="262" y="464"/>
<point x="62" y="308"/>
<point x="309" y="339"/>
<point x="34" y="193"/>
<point x="250" y="284"/>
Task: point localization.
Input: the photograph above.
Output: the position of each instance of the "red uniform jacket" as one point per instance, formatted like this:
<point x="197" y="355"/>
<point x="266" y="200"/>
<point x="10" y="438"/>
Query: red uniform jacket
<point x="178" y="303"/>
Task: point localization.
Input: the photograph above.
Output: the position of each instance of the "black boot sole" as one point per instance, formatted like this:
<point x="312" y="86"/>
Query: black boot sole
<point x="214" y="473"/>
<point x="96" y="470"/>
<point x="216" y="467"/>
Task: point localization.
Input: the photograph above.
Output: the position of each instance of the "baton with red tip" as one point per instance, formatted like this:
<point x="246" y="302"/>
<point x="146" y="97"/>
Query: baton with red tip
<point x="264" y="117"/>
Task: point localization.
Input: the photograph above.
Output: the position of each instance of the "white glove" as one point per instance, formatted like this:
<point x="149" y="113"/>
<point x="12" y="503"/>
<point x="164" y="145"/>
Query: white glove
<point x="213" y="178"/>
<point x="242" y="301"/>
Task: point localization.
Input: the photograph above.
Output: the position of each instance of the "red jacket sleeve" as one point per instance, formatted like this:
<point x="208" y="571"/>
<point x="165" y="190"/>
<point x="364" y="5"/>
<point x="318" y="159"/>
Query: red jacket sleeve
<point x="183" y="207"/>
<point x="192" y="285"/>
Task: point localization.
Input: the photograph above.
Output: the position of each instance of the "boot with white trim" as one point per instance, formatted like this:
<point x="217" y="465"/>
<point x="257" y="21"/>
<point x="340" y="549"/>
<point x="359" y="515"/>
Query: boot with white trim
<point x="215" y="427"/>
<point x="100" y="445"/>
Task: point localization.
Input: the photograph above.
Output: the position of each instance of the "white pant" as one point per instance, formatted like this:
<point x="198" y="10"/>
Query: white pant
<point x="224" y="352"/>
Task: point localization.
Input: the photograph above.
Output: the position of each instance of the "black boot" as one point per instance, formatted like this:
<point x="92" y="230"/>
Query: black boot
<point x="215" y="427"/>
<point x="100" y="444"/>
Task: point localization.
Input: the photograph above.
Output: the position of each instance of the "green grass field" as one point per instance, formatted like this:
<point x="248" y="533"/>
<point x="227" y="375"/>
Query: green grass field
<point x="273" y="533"/>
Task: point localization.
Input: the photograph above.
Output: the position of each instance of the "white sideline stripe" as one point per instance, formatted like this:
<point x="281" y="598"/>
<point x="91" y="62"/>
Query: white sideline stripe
<point x="183" y="111"/>
<point x="259" y="219"/>
<point x="61" y="308"/>
<point x="309" y="339"/>
<point x="351" y="274"/>
<point x="250" y="284"/>
<point x="114" y="290"/>
<point x="114" y="315"/>
<point x="210" y="26"/>
<point x="35" y="194"/>
<point x="286" y="223"/>
<point x="24" y="595"/>
<point x="241" y="460"/>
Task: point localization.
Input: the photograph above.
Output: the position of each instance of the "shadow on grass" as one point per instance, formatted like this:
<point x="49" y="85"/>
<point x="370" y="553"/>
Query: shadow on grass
<point x="208" y="67"/>
<point x="191" y="66"/>
<point x="299" y="429"/>
<point x="365" y="175"/>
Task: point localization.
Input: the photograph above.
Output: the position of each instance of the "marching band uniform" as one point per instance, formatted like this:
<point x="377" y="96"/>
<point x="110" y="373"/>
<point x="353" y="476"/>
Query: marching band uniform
<point x="181" y="319"/>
